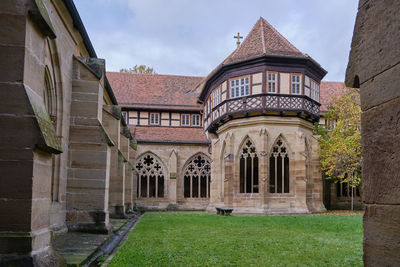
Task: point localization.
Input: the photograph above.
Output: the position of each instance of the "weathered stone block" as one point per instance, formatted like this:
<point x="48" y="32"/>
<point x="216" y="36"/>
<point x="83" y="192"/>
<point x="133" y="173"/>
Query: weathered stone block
<point x="376" y="40"/>
<point x="381" y="235"/>
<point x="380" y="132"/>
<point x="382" y="88"/>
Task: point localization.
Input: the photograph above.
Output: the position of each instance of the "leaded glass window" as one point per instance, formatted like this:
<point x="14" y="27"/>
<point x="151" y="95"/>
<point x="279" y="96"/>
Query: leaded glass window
<point x="240" y="87"/>
<point x="271" y="82"/>
<point x="248" y="165"/>
<point x="279" y="169"/>
<point x="296" y="84"/>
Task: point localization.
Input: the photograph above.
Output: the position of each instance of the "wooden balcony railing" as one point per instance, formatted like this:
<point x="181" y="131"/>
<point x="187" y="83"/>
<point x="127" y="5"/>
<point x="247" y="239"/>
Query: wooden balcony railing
<point x="263" y="103"/>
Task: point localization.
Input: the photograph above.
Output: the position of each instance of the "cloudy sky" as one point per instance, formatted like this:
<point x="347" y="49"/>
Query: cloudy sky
<point x="191" y="37"/>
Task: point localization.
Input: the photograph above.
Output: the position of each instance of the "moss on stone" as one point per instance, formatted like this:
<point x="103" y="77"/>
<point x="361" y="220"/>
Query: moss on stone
<point x="133" y="144"/>
<point x="116" y="111"/>
<point x="126" y="132"/>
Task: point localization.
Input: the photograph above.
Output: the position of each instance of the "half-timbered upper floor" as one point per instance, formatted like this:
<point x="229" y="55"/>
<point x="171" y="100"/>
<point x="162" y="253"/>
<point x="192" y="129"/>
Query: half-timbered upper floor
<point x="265" y="75"/>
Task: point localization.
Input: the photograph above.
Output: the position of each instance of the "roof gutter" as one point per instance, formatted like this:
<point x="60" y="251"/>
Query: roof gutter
<point x="78" y="24"/>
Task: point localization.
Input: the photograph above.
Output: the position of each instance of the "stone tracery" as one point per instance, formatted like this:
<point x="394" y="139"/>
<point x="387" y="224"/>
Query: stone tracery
<point x="150" y="177"/>
<point x="197" y="177"/>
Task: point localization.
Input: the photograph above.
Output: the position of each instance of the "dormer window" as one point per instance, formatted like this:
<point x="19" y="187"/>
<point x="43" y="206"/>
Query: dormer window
<point x="240" y="87"/>
<point x="296" y="84"/>
<point x="154" y="119"/>
<point x="271" y="76"/>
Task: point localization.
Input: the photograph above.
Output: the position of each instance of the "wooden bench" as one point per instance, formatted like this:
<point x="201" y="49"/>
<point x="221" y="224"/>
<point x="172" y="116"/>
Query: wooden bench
<point x="224" y="211"/>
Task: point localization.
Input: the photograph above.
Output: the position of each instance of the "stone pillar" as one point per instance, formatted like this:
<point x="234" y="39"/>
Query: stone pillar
<point x="229" y="179"/>
<point x="263" y="156"/>
<point x="128" y="186"/>
<point x="89" y="151"/>
<point x="117" y="182"/>
<point x="132" y="156"/>
<point x="314" y="177"/>
<point x="374" y="68"/>
<point x="297" y="165"/>
<point x="173" y="176"/>
<point x="216" y="197"/>
<point x="27" y="142"/>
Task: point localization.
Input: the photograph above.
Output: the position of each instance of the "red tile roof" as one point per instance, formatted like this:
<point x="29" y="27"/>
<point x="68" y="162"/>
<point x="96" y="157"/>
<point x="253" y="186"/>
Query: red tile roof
<point x="155" y="91"/>
<point x="327" y="91"/>
<point x="263" y="39"/>
<point x="170" y="134"/>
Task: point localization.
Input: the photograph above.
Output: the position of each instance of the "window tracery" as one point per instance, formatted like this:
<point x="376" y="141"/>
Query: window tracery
<point x="279" y="169"/>
<point x="197" y="177"/>
<point x="248" y="162"/>
<point x="150" y="177"/>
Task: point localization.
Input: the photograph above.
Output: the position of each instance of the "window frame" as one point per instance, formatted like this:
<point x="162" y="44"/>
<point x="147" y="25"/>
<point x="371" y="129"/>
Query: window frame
<point x="275" y="82"/>
<point x="193" y="120"/>
<point x="216" y="97"/>
<point x="300" y="83"/>
<point x="314" y="91"/>
<point x="183" y="115"/>
<point x="238" y="85"/>
<point x="150" y="118"/>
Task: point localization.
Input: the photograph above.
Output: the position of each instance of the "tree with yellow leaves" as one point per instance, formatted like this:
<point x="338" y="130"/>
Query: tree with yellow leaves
<point x="139" y="69"/>
<point x="340" y="144"/>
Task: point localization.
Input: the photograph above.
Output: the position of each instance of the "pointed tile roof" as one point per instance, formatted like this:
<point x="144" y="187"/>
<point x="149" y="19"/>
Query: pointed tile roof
<point x="263" y="40"/>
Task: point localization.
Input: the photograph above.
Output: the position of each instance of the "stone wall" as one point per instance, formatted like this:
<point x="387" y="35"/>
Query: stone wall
<point x="173" y="157"/>
<point x="54" y="149"/>
<point x="374" y="68"/>
<point x="305" y="194"/>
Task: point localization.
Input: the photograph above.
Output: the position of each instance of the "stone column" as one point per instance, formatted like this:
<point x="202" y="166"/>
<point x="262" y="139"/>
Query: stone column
<point x="263" y="156"/>
<point x="215" y="186"/>
<point x="173" y="177"/>
<point x="297" y="168"/>
<point x="132" y="156"/>
<point x="229" y="179"/>
<point x="89" y="151"/>
<point x="374" y="68"/>
<point x="314" y="177"/>
<point x="128" y="186"/>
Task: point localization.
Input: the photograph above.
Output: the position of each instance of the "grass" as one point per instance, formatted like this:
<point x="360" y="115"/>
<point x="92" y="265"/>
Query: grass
<point x="201" y="239"/>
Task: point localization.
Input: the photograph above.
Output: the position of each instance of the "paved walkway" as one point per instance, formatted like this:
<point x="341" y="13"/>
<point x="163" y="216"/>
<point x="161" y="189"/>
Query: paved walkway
<point x="79" y="249"/>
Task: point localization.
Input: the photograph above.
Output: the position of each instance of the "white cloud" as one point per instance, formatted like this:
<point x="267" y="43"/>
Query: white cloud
<point x="193" y="37"/>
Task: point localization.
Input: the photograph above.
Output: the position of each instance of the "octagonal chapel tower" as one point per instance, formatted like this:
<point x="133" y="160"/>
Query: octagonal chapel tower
<point x="260" y="104"/>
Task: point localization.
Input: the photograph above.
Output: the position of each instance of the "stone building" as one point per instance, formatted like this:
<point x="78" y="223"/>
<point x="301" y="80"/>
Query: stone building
<point x="374" y="68"/>
<point x="163" y="114"/>
<point x="242" y="137"/>
<point x="64" y="149"/>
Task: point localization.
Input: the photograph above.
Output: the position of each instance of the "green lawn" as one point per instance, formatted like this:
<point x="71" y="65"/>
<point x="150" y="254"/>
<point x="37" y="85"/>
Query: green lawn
<point x="201" y="239"/>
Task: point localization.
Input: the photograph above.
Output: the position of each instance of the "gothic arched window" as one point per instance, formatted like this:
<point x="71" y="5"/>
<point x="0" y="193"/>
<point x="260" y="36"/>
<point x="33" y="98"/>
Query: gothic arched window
<point x="197" y="177"/>
<point x="50" y="97"/>
<point x="279" y="169"/>
<point x="150" y="176"/>
<point x="248" y="162"/>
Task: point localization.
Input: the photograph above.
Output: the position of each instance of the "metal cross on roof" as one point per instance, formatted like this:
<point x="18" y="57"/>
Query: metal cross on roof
<point x="238" y="37"/>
